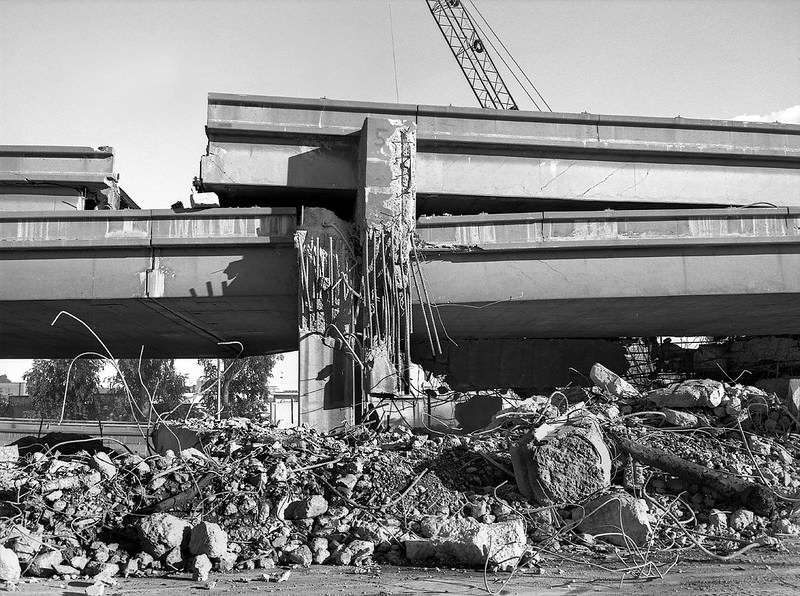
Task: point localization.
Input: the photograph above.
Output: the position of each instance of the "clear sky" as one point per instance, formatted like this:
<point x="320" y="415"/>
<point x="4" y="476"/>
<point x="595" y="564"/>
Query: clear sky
<point x="135" y="74"/>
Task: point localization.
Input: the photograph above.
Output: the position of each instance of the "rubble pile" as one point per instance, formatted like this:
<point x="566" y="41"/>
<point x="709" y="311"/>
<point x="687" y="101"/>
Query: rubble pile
<point x="697" y="464"/>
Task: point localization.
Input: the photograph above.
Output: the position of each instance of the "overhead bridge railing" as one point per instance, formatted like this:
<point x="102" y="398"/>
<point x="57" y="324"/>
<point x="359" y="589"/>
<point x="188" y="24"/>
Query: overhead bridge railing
<point x="146" y="228"/>
<point x="610" y="229"/>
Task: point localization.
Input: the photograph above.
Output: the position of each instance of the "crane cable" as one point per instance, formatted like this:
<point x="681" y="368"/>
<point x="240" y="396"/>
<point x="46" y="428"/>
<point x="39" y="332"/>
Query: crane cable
<point x="510" y="55"/>
<point x="394" y="53"/>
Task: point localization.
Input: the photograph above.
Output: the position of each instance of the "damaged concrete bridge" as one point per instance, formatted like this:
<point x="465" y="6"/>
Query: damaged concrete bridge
<point x="368" y="235"/>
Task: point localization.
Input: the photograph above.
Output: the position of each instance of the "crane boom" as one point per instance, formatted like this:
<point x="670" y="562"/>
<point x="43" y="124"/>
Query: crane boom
<point x="473" y="57"/>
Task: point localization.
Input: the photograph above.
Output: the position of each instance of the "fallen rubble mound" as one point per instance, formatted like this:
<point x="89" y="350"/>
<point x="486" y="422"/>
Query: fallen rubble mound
<point x="700" y="464"/>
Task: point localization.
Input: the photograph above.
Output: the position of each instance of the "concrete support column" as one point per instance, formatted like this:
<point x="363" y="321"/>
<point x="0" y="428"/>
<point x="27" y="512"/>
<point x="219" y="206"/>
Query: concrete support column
<point x="385" y="219"/>
<point x="328" y="380"/>
<point x="355" y="294"/>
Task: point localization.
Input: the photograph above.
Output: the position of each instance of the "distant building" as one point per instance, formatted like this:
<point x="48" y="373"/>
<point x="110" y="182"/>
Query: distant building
<point x="284" y="406"/>
<point x="14" y="400"/>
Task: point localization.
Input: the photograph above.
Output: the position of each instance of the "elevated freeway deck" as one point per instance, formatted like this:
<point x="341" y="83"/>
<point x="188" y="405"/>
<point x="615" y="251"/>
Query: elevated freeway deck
<point x="175" y="283"/>
<point x="180" y="283"/>
<point x="273" y="150"/>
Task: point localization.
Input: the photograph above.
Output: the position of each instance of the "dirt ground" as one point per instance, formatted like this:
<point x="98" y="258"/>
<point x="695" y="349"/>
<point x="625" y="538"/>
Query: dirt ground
<point x="760" y="571"/>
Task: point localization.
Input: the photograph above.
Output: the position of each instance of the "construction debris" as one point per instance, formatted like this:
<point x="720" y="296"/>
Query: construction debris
<point x="713" y="466"/>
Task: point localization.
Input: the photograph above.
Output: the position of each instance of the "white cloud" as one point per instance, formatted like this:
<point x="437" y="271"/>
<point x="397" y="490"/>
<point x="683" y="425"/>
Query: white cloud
<point x="789" y="115"/>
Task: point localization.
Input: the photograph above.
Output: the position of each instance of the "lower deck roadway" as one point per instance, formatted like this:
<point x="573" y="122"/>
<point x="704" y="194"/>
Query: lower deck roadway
<point x="181" y="283"/>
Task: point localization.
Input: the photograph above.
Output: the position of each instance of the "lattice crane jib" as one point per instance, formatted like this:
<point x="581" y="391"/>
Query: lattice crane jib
<point x="471" y="53"/>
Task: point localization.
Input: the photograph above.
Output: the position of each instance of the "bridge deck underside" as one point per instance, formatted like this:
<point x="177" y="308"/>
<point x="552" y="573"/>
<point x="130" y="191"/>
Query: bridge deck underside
<point x="602" y="274"/>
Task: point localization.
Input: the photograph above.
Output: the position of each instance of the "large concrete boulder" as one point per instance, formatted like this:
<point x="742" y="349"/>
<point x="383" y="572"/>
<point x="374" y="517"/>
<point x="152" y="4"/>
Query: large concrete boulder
<point x="695" y="393"/>
<point x="562" y="462"/>
<point x="208" y="539"/>
<point x="465" y="541"/>
<point x="616" y="517"/>
<point x="161" y="533"/>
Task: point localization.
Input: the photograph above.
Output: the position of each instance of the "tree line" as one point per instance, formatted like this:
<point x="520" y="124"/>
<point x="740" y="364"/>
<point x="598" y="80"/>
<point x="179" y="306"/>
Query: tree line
<point x="145" y="389"/>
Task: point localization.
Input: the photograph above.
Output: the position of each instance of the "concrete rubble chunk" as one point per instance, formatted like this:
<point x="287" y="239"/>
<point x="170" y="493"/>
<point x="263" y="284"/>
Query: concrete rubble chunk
<point x="718" y="519"/>
<point x="9" y="565"/>
<point x="694" y="393"/>
<point x="103" y="464"/>
<point x="61" y="569"/>
<point x="227" y="561"/>
<point x="160" y="533"/>
<point x="106" y="572"/>
<point x="42" y="564"/>
<point x="465" y="541"/>
<point x="208" y="539"/>
<point x="175" y="559"/>
<point x="792" y="400"/>
<point x="740" y="519"/>
<point x="616" y="517"/>
<point x="612" y="383"/>
<point x="298" y="555"/>
<point x="679" y="418"/>
<point x="356" y="553"/>
<point x="562" y="462"/>
<point x="26" y="543"/>
<point x="200" y="568"/>
<point x="131" y="567"/>
<point x="310" y="507"/>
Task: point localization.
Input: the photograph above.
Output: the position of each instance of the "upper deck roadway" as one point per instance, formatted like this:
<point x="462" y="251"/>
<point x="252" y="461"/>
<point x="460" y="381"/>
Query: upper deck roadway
<point x="529" y="248"/>
<point x="472" y="161"/>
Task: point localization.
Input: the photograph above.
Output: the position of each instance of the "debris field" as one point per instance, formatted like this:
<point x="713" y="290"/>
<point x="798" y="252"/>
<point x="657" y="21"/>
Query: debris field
<point x="605" y="475"/>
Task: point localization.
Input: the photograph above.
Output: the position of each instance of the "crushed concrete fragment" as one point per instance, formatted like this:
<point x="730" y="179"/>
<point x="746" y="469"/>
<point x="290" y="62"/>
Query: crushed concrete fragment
<point x="200" y="567"/>
<point x="313" y="506"/>
<point x="694" y="393"/>
<point x="208" y="538"/>
<point x="618" y="518"/>
<point x="680" y="418"/>
<point x="740" y="519"/>
<point x="161" y="533"/>
<point x="102" y="462"/>
<point x="9" y="565"/>
<point x="612" y="383"/>
<point x="42" y="564"/>
<point x="467" y="542"/>
<point x="298" y="555"/>
<point x="356" y="553"/>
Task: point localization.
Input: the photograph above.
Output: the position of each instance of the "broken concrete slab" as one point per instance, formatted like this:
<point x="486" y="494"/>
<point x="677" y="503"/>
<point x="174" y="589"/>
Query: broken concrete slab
<point x="694" y="393"/>
<point x="680" y="418"/>
<point x="612" y="383"/>
<point x="465" y="541"/>
<point x="618" y="518"/>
